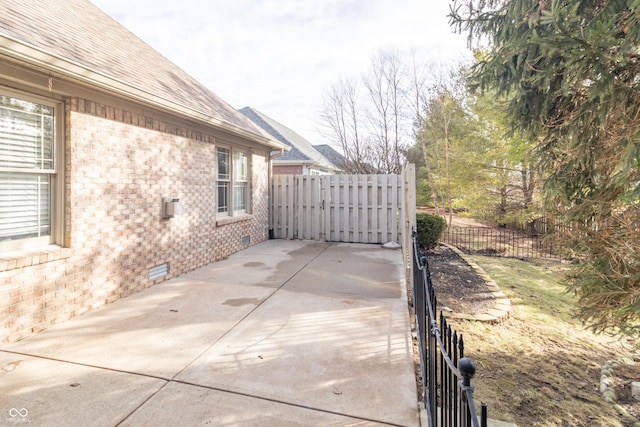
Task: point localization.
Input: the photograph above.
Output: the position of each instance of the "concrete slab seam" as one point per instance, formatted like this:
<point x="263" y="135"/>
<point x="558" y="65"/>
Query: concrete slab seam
<point x="86" y="365"/>
<point x="143" y="403"/>
<point x="283" y="402"/>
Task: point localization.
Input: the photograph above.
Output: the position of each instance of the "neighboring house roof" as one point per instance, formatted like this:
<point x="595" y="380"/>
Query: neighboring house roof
<point x="331" y="154"/>
<point x="74" y="39"/>
<point x="301" y="152"/>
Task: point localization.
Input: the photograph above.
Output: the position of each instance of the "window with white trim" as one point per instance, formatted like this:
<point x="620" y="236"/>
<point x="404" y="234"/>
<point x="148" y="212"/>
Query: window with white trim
<point x="240" y="181"/>
<point x="233" y="181"/>
<point x="224" y="179"/>
<point x="27" y="172"/>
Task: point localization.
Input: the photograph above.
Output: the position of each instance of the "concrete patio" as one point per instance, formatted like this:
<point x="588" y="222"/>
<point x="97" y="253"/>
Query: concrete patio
<point x="283" y="333"/>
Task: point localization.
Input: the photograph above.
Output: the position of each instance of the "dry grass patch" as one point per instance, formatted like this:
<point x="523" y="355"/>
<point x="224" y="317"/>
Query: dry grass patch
<point x="540" y="367"/>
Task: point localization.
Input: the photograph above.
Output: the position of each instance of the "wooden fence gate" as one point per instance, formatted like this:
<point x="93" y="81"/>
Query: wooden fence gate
<point x="343" y="208"/>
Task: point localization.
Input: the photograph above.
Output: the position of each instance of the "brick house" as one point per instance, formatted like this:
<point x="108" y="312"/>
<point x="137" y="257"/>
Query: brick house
<point x="117" y="169"/>
<point x="302" y="158"/>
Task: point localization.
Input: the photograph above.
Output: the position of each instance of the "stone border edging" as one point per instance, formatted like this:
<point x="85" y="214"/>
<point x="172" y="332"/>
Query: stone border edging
<point x="502" y="305"/>
<point x="608" y="392"/>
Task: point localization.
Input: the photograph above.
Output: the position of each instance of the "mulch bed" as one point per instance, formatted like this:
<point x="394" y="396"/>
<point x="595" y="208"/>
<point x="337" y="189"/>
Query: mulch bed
<point x="458" y="287"/>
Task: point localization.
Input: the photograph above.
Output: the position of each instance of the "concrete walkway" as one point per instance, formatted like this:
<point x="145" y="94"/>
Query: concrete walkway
<point x="283" y="333"/>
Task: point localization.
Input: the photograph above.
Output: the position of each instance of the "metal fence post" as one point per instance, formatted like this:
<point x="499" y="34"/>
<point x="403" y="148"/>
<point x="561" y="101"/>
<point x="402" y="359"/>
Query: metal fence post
<point x="467" y="370"/>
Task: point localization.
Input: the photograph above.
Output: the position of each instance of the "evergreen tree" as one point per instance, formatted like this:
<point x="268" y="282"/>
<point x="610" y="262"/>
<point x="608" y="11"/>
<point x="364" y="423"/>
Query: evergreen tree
<point x="570" y="71"/>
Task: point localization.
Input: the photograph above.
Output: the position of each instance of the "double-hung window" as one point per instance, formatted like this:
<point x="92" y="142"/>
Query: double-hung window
<point x="240" y="181"/>
<point x="27" y="171"/>
<point x="224" y="179"/>
<point x="233" y="181"/>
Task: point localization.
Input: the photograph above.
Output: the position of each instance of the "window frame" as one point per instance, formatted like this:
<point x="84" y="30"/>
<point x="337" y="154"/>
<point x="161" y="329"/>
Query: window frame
<point x="55" y="176"/>
<point x="240" y="182"/>
<point x="226" y="180"/>
<point x="232" y="181"/>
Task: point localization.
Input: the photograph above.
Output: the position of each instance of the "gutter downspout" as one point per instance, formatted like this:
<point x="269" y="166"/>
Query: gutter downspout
<point x="273" y="155"/>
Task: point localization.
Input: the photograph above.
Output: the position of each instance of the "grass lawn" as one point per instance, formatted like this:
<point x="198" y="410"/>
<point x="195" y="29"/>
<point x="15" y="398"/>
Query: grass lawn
<point x="540" y="367"/>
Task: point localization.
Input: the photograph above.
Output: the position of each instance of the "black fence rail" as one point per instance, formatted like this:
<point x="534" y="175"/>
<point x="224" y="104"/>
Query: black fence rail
<point x="446" y="373"/>
<point x="501" y="242"/>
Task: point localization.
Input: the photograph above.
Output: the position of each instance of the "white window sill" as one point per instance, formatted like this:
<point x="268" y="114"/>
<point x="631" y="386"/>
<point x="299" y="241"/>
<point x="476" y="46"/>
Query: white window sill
<point x="11" y="260"/>
<point x="225" y="220"/>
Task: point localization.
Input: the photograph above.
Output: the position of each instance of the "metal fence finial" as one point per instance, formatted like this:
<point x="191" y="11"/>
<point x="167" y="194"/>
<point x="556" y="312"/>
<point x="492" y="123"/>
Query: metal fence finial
<point x="467" y="370"/>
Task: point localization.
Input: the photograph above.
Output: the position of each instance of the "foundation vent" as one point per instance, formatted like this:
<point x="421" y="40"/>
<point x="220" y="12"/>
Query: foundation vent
<point x="158" y="272"/>
<point x="246" y="240"/>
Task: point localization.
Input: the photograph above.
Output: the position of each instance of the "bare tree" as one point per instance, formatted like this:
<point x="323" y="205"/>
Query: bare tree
<point x="371" y="131"/>
<point x="384" y="86"/>
<point x="341" y="117"/>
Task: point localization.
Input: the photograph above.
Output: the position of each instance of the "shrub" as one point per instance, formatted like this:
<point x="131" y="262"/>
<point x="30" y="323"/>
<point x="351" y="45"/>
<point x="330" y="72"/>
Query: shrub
<point x="429" y="229"/>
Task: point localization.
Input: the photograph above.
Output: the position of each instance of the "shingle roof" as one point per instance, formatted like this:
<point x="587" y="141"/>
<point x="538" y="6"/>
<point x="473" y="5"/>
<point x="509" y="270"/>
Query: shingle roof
<point x="331" y="154"/>
<point x="78" y="32"/>
<point x="301" y="150"/>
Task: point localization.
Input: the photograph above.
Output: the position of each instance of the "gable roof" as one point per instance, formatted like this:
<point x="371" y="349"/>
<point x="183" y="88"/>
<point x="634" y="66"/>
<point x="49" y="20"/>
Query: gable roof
<point x="74" y="39"/>
<point x="301" y="152"/>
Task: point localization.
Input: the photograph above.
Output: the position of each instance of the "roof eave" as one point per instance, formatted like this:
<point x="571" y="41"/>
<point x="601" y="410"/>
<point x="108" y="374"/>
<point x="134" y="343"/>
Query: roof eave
<point x="30" y="55"/>
<point x="295" y="162"/>
<point x="304" y="163"/>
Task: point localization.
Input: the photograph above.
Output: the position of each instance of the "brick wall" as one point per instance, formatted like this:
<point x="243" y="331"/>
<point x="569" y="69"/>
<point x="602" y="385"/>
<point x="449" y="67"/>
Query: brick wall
<point x="119" y="166"/>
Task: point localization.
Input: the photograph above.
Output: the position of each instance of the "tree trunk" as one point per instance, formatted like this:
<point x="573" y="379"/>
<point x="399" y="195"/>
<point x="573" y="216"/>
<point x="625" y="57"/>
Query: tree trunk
<point x="446" y="166"/>
<point x="432" y="186"/>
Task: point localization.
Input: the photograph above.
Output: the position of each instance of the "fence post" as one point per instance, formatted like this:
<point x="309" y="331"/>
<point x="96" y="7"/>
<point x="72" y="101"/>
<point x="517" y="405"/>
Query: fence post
<point x="409" y="214"/>
<point x="467" y="370"/>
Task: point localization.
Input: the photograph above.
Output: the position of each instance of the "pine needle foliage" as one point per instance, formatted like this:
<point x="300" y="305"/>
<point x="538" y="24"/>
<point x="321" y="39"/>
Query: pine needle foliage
<point x="570" y="71"/>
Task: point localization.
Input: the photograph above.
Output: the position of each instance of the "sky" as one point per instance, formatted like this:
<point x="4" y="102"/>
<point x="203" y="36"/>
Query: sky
<point x="280" y="56"/>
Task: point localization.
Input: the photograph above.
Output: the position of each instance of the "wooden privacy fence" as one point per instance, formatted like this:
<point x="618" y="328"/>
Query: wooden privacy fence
<point x="342" y="208"/>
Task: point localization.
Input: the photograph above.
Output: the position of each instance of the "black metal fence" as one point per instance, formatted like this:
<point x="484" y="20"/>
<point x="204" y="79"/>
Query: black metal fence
<point x="501" y="242"/>
<point x="446" y="373"/>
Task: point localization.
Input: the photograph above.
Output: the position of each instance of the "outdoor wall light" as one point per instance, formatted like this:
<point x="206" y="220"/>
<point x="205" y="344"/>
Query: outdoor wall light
<point x="171" y="207"/>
